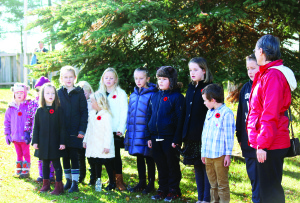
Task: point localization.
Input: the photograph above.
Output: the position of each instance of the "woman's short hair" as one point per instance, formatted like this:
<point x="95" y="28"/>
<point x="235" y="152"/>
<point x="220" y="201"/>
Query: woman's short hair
<point x="270" y="46"/>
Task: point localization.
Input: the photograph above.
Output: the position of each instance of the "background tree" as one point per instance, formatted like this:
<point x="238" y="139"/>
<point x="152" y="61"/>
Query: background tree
<point x="128" y="34"/>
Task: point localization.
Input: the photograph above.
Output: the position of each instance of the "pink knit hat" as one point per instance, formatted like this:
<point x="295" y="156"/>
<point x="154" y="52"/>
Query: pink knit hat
<point x="42" y="80"/>
<point x="20" y="87"/>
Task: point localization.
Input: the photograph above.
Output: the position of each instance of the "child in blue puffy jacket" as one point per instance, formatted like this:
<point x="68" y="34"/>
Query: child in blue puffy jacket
<point x="135" y="139"/>
<point x="164" y="119"/>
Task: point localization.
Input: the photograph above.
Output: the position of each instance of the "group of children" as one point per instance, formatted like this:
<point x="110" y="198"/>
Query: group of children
<point x="74" y="122"/>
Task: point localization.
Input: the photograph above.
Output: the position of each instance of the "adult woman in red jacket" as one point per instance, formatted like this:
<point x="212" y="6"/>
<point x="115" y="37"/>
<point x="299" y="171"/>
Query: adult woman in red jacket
<point x="267" y="125"/>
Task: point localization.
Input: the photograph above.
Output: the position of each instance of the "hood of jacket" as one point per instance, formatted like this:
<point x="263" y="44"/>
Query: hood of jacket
<point x="288" y="74"/>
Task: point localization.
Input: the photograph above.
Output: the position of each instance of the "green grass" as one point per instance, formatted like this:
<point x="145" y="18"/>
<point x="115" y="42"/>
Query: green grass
<point x="13" y="189"/>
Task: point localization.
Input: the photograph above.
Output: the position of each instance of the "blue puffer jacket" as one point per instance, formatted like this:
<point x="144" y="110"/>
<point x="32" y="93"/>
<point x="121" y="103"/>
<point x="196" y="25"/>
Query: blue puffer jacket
<point x="135" y="141"/>
<point x="164" y="116"/>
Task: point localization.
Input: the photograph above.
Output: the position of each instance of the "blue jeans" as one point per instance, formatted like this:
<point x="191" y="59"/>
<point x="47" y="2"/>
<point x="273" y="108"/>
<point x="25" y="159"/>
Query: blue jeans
<point x="251" y="166"/>
<point x="202" y="182"/>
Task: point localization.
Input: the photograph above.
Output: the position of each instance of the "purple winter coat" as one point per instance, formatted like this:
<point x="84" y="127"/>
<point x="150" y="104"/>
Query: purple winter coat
<point x="14" y="121"/>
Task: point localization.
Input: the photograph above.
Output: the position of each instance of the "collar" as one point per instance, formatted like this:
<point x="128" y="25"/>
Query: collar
<point x="268" y="65"/>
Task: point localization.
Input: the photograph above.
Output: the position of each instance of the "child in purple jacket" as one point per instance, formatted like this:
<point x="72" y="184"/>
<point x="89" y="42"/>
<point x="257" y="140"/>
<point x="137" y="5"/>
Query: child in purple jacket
<point x="32" y="107"/>
<point x="14" y="123"/>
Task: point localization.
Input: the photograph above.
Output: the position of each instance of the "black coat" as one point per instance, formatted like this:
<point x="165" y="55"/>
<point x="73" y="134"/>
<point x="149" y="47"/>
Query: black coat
<point x="194" y="112"/>
<point x="164" y="116"/>
<point x="49" y="132"/>
<point x="75" y="110"/>
<point x="242" y="113"/>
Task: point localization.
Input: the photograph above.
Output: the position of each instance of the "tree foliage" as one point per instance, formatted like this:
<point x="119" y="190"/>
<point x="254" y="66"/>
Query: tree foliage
<point x="128" y="34"/>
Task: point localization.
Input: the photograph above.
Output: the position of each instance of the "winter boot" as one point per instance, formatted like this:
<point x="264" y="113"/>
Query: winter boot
<point x="18" y="168"/>
<point x="150" y="186"/>
<point x="119" y="182"/>
<point x="59" y="188"/>
<point x="40" y="166"/>
<point x="46" y="185"/>
<point x="25" y="170"/>
<point x="52" y="176"/>
<point x="68" y="184"/>
<point x="74" y="187"/>
<point x="139" y="187"/>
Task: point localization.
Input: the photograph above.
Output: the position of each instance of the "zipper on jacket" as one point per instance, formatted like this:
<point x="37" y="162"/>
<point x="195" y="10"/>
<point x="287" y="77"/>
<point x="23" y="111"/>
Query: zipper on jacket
<point x="157" y="112"/>
<point x="134" y="124"/>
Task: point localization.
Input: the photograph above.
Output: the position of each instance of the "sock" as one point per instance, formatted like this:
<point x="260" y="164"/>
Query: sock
<point x="75" y="174"/>
<point x="68" y="173"/>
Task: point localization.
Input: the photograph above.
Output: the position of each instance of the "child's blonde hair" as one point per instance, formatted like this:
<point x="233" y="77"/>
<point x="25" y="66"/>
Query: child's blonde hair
<point x="102" y="87"/>
<point x="101" y="100"/>
<point x="86" y="86"/>
<point x="64" y="69"/>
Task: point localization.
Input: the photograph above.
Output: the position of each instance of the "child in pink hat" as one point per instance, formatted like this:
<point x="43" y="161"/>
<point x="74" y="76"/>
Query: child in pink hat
<point x="33" y="105"/>
<point x="14" y="124"/>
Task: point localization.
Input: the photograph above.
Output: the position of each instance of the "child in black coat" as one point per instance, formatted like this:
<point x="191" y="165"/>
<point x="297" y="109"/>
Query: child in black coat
<point x="49" y="136"/>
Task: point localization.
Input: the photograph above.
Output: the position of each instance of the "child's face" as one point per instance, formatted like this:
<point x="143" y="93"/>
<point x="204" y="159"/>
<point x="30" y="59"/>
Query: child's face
<point x="19" y="96"/>
<point x="68" y="79"/>
<point x="49" y="95"/>
<point x="252" y="68"/>
<point x="207" y="103"/>
<point x="196" y="73"/>
<point x="94" y="104"/>
<point x="141" y="79"/>
<point x="87" y="94"/>
<point x="163" y="83"/>
<point x="109" y="79"/>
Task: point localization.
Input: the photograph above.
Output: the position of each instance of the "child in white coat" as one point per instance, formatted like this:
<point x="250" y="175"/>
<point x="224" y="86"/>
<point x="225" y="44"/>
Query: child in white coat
<point x="99" y="139"/>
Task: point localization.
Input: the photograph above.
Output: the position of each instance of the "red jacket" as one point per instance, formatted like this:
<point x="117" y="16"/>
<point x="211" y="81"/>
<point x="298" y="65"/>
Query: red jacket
<point x="270" y="97"/>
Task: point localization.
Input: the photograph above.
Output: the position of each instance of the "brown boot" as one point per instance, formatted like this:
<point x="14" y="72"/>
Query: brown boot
<point x="59" y="188"/>
<point x="46" y="185"/>
<point x="119" y="182"/>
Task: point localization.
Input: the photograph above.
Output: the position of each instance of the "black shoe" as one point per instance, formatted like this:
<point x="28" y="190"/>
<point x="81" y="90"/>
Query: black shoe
<point x="149" y="188"/>
<point x="139" y="187"/>
<point x="68" y="184"/>
<point x="110" y="186"/>
<point x="160" y="195"/>
<point x="74" y="187"/>
<point x="172" y="196"/>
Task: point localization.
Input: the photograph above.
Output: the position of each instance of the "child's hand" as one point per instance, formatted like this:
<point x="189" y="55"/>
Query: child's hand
<point x="35" y="146"/>
<point x="84" y="144"/>
<point x="261" y="155"/>
<point x="80" y="135"/>
<point x="149" y="143"/>
<point x="174" y="145"/>
<point x="119" y="133"/>
<point x="62" y="147"/>
<point x="203" y="160"/>
<point x="105" y="151"/>
<point x="227" y="161"/>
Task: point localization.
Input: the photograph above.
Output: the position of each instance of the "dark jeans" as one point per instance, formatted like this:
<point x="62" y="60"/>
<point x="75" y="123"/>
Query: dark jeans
<point x="117" y="159"/>
<point x="270" y="177"/>
<point x="167" y="162"/>
<point x="251" y="166"/>
<point x="72" y="155"/>
<point x="202" y="182"/>
<point x="142" y="167"/>
<point x="109" y="165"/>
<point x="82" y="164"/>
<point x="57" y="167"/>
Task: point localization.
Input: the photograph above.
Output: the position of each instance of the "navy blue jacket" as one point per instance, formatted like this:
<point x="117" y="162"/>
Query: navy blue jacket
<point x="242" y="113"/>
<point x="75" y="111"/>
<point x="164" y="116"/>
<point x="135" y="141"/>
<point x="195" y="112"/>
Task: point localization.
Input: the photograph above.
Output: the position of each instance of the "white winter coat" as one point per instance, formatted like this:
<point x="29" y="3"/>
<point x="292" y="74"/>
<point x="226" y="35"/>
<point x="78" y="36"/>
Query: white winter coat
<point x="99" y="135"/>
<point x="118" y="103"/>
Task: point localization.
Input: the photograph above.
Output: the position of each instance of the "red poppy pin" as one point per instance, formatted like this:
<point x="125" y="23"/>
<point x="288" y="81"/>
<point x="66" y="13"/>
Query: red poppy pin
<point x="99" y="118"/>
<point x="201" y="90"/>
<point x="217" y="115"/>
<point x="166" y="98"/>
<point x="115" y="96"/>
<point x="19" y="113"/>
<point x="51" y="111"/>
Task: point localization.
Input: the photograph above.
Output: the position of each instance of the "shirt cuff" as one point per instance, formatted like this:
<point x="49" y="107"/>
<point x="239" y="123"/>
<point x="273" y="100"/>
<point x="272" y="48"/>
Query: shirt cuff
<point x="81" y="132"/>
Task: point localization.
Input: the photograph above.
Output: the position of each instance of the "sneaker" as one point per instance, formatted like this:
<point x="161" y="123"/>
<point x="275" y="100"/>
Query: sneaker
<point x="172" y="196"/>
<point x="160" y="195"/>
